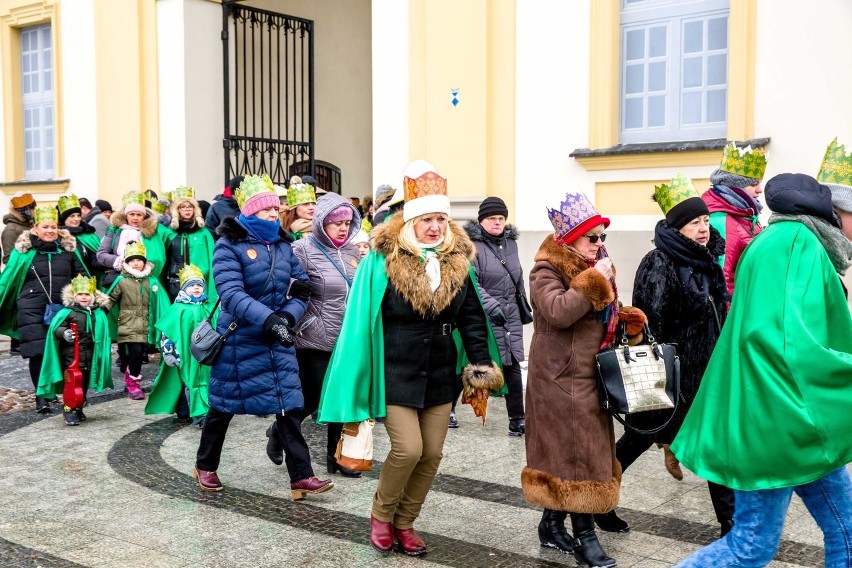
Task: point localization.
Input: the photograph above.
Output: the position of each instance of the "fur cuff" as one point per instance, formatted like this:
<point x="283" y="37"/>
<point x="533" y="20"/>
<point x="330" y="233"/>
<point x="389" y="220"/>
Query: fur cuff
<point x="488" y="377"/>
<point x="594" y="286"/>
<point x="552" y="492"/>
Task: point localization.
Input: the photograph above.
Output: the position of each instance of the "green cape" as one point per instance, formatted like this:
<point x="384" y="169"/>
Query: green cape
<point x="774" y="408"/>
<point x="177" y="325"/>
<point x="89" y="240"/>
<point x="155" y="247"/>
<point x="51" y="381"/>
<point x="200" y="245"/>
<point x="357" y="366"/>
<point x="157" y="306"/>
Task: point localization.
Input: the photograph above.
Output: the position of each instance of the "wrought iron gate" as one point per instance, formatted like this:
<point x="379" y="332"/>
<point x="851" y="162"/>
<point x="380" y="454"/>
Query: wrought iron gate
<point x="269" y="92"/>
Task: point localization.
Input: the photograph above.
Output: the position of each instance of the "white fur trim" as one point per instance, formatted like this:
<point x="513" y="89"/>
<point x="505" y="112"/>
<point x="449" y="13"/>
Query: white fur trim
<point x="424" y="205"/>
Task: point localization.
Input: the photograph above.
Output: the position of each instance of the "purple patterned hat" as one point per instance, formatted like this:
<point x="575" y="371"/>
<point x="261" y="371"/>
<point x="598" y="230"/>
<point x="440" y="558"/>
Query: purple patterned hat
<point x="575" y="216"/>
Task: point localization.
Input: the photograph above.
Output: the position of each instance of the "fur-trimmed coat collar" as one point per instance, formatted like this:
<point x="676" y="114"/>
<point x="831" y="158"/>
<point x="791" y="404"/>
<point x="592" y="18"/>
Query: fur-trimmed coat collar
<point x="148" y="228"/>
<point x="232" y="230"/>
<point x="476" y="233"/>
<point x="68" y="298"/>
<point x="568" y="263"/>
<point x="25" y="243"/>
<point x="407" y="273"/>
<point x="175" y="217"/>
<point x="127" y="271"/>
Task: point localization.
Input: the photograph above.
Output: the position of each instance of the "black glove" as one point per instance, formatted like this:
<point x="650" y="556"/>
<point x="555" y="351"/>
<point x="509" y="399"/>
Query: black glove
<point x="277" y="326"/>
<point x="498" y="318"/>
<point x="300" y="290"/>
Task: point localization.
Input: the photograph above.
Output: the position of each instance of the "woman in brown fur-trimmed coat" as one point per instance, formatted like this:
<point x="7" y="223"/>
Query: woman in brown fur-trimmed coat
<point x="396" y="357"/>
<point x="571" y="465"/>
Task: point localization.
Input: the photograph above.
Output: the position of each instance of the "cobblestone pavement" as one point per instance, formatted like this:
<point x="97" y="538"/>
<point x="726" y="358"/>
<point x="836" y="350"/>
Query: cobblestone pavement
<point x="117" y="492"/>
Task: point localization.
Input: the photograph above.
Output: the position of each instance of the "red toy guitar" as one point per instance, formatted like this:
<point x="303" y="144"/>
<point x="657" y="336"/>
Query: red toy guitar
<point x="72" y="395"/>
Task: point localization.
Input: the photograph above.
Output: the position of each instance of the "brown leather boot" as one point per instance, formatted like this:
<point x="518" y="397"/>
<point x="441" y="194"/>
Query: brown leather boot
<point x="672" y="464"/>
<point x="381" y="535"/>
<point x="410" y="542"/>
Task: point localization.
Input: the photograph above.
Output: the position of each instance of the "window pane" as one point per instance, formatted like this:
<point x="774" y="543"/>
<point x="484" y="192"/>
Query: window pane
<point x="657" y="76"/>
<point x="48" y="160"/>
<point x="48" y="115"/>
<point x="692" y="72"/>
<point x="635" y="45"/>
<point x="717" y="69"/>
<point x="693" y="37"/>
<point x="634" y="80"/>
<point x="717" y="33"/>
<point x="633" y="113"/>
<point x="716" y="105"/>
<point x="36" y="161"/>
<point x="657" y="40"/>
<point x="691" y="108"/>
<point x="45" y="38"/>
<point x="29" y="162"/>
<point x="657" y="110"/>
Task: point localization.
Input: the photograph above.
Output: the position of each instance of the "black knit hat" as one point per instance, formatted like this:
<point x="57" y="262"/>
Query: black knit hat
<point x="63" y="215"/>
<point x="491" y="206"/>
<point x="104" y="205"/>
<point x="685" y="211"/>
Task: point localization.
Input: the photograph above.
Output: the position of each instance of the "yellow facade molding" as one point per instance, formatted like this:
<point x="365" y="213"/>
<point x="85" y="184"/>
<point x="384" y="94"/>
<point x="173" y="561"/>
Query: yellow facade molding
<point x="633" y="197"/>
<point x="36" y="188"/>
<point x="605" y="64"/>
<point x="651" y="160"/>
<point x="14" y="15"/>
<point x="500" y="134"/>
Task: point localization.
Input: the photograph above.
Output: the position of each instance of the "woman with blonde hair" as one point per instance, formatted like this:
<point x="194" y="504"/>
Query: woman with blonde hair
<point x="301" y="203"/>
<point x="396" y="354"/>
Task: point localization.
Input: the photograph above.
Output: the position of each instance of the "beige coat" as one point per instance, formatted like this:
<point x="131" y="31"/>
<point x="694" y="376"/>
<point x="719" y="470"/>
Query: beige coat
<point x="570" y="443"/>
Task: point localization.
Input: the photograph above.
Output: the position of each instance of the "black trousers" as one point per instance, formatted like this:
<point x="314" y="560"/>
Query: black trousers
<point x="514" y="383"/>
<point x="35" y="369"/>
<point x="297" y="457"/>
<point x="312" y="366"/>
<point x="130" y="357"/>
<point x="631" y="445"/>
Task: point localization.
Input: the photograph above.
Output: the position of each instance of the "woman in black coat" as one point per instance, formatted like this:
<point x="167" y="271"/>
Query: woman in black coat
<point x="681" y="288"/>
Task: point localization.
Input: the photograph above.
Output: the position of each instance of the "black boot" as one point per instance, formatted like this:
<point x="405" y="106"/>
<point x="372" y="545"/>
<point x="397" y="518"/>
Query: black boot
<point x="587" y="548"/>
<point x="274" y="448"/>
<point x="611" y="522"/>
<point x="43" y="405"/>
<point x="726" y="527"/>
<point x="333" y="467"/>
<point x="552" y="533"/>
<point x="517" y="427"/>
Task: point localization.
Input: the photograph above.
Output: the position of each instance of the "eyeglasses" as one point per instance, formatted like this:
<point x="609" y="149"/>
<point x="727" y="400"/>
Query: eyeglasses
<point x="594" y="238"/>
<point x="186" y="207"/>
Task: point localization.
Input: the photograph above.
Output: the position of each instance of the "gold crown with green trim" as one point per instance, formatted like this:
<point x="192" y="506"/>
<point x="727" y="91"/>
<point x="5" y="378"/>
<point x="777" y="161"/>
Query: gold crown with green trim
<point x="667" y="195"/>
<point x="83" y="285"/>
<point x="160" y="206"/>
<point x="190" y="273"/>
<point x="182" y="192"/>
<point x="251" y="186"/>
<point x="133" y="197"/>
<point x="300" y="193"/>
<point x="67" y="202"/>
<point x="134" y="249"/>
<point x="836" y="165"/>
<point x="46" y="213"/>
<point x="746" y="162"/>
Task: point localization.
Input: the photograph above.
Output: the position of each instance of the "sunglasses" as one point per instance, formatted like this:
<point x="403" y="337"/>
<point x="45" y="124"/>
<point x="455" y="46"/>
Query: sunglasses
<point x="594" y="238"/>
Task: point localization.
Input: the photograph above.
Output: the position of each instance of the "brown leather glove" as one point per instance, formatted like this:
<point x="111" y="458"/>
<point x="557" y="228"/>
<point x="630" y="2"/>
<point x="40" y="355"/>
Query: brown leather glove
<point x="633" y="319"/>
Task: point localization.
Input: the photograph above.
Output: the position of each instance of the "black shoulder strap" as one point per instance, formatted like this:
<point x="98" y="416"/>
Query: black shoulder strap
<point x="503" y="262"/>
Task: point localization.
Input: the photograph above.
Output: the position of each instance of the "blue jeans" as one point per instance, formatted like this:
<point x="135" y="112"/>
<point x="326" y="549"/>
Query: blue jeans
<point x="759" y="518"/>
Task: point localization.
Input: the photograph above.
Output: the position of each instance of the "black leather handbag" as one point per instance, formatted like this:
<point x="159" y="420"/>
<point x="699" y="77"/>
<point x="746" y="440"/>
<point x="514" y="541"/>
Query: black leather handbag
<point x="639" y="378"/>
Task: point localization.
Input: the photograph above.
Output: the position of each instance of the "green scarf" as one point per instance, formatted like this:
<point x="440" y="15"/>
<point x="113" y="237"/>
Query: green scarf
<point x="51" y="381"/>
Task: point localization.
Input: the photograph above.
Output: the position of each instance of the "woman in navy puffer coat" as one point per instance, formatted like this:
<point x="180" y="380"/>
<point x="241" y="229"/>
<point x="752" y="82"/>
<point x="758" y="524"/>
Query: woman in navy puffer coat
<point x="264" y="289"/>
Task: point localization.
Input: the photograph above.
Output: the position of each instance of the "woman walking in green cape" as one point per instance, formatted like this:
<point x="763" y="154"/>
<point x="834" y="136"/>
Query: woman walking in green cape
<point x="774" y="410"/>
<point x="189" y="243"/>
<point x="396" y="356"/>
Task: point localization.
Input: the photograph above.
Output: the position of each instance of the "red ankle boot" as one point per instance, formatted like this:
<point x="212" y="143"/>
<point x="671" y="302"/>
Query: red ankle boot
<point x="410" y="542"/>
<point x="381" y="535"/>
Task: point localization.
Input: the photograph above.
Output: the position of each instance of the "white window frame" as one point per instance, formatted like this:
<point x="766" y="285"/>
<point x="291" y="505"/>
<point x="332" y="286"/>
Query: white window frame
<point x="37" y="88"/>
<point x="673" y="15"/>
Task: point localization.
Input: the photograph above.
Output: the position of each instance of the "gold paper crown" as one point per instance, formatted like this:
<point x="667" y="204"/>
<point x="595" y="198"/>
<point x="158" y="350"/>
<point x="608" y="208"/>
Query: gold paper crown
<point x="160" y="206"/>
<point x="836" y="165"/>
<point x="251" y="186"/>
<point x="300" y="193"/>
<point x="45" y="213"/>
<point x="188" y="273"/>
<point x="67" y="202"/>
<point x="134" y="249"/>
<point x="746" y="162"/>
<point x="429" y="183"/>
<point x="82" y="285"/>
<point x="182" y="192"/>
<point x="133" y="197"/>
<point x="668" y="195"/>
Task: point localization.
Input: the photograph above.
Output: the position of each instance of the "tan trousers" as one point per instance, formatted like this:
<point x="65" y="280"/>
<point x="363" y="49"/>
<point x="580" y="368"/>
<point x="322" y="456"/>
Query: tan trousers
<point x="417" y="444"/>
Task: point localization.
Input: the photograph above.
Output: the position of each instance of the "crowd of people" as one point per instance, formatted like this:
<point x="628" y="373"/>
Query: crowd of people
<point x="394" y="311"/>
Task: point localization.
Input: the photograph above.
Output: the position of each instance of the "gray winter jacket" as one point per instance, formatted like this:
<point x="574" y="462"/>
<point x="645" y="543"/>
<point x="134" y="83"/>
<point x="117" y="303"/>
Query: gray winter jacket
<point x="496" y="286"/>
<point x="329" y="289"/>
<point x="98" y="221"/>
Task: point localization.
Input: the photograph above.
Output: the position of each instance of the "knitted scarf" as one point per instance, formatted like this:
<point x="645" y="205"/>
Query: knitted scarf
<point x="698" y="270"/>
<point x="838" y="247"/>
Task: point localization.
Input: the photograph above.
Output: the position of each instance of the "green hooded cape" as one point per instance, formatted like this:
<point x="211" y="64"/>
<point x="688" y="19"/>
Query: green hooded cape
<point x="354" y="385"/>
<point x="774" y="408"/>
<point x="51" y="381"/>
<point x="177" y="324"/>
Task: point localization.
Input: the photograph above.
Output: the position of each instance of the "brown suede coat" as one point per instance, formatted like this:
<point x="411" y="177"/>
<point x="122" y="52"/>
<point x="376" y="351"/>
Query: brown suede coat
<point x="570" y="443"/>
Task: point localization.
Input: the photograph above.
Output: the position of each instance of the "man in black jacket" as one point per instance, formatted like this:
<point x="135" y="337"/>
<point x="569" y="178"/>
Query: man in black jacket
<point x="225" y="207"/>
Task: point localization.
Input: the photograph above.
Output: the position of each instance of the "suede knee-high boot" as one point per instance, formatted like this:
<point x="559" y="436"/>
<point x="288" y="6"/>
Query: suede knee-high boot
<point x="552" y="532"/>
<point x="587" y="548"/>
